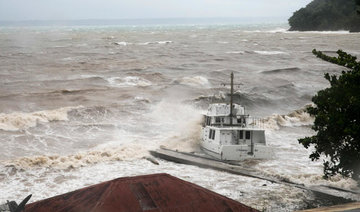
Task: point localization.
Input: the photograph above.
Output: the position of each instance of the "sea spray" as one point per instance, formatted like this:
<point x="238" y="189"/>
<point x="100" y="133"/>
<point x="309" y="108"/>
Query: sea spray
<point x="180" y="124"/>
<point x="22" y="121"/>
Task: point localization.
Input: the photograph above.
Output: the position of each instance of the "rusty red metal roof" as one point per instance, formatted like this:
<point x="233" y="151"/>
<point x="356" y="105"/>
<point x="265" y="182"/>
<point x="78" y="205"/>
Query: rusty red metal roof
<point x="151" y="193"/>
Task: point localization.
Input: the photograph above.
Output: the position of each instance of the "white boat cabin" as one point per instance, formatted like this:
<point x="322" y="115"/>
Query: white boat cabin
<point x="228" y="133"/>
<point x="233" y="137"/>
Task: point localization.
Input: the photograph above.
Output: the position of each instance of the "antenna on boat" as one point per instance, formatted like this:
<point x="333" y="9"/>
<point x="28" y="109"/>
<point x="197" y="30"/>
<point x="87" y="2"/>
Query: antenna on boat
<point x="231" y="96"/>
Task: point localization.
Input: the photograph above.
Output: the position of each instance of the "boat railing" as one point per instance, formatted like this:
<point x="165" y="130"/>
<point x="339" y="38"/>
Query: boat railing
<point x="251" y="122"/>
<point x="255" y="122"/>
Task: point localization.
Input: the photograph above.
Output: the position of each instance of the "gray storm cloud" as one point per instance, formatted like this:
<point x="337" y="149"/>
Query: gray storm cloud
<point x="11" y="10"/>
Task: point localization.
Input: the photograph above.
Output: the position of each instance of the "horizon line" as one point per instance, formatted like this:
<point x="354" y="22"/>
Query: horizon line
<point x="146" y="18"/>
<point x="149" y="21"/>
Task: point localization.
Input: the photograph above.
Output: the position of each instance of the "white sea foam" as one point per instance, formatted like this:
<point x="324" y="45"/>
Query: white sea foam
<point x="121" y="43"/>
<point x="142" y="99"/>
<point x="340" y="32"/>
<point x="253" y="31"/>
<point x="82" y="45"/>
<point x="108" y="152"/>
<point x="155" y="42"/>
<point x="222" y="42"/>
<point x="292" y="162"/>
<point x="145" y="43"/>
<point x="278" y="30"/>
<point x="235" y="52"/>
<point x="195" y="81"/>
<point x="269" y="52"/>
<point x="129" y="81"/>
<point x="68" y="59"/>
<point x="21" y="121"/>
<point x="239" y="188"/>
<point x="180" y="131"/>
<point x="310" y="173"/>
<point x="285" y="30"/>
<point x="295" y="118"/>
<point x="164" y="42"/>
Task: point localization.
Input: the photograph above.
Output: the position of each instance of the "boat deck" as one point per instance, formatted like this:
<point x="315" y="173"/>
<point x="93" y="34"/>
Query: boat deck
<point x="332" y="193"/>
<point x="349" y="207"/>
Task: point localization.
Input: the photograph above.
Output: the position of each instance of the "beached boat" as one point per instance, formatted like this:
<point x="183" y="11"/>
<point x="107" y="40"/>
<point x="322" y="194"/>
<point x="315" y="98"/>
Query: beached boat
<point x="228" y="133"/>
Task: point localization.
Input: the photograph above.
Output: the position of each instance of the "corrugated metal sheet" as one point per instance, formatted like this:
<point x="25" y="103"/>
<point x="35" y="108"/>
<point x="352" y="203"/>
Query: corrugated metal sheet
<point x="151" y="193"/>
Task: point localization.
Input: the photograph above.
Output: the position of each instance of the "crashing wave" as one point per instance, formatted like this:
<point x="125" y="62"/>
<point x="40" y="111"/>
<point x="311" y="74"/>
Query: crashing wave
<point x="196" y="81"/>
<point x="180" y="131"/>
<point x="294" y="119"/>
<point x="129" y="81"/>
<point x="21" y="121"/>
<point x="81" y="159"/>
<point x="216" y="97"/>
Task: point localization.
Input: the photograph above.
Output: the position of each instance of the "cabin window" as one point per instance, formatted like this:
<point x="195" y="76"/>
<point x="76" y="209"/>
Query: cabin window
<point x="247" y="135"/>
<point x="241" y="134"/>
<point x="208" y="120"/>
<point x="217" y="120"/>
<point x="212" y="134"/>
<point x="241" y="121"/>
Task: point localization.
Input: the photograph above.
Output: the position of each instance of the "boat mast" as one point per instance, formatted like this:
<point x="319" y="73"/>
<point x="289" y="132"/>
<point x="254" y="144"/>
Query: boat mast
<point x="231" y="98"/>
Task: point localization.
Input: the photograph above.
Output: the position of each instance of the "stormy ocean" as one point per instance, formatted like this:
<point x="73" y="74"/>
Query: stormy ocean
<point x="81" y="105"/>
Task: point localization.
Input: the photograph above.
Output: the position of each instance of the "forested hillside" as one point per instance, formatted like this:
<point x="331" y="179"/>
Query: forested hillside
<point x="320" y="15"/>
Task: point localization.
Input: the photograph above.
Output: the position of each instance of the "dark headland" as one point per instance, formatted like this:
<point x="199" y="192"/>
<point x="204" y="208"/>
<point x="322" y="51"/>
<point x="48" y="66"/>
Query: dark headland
<point x="327" y="15"/>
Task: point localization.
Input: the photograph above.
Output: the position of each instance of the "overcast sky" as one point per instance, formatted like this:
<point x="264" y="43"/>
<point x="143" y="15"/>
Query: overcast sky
<point x="16" y="10"/>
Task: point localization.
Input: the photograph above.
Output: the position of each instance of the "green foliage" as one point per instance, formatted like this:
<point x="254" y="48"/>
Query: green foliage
<point x="343" y="59"/>
<point x="337" y="119"/>
<point x="327" y="15"/>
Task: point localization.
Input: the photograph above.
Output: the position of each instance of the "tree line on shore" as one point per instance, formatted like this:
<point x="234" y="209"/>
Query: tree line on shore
<point x="324" y="15"/>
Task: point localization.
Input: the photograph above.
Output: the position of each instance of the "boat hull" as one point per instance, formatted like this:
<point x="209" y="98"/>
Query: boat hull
<point x="239" y="152"/>
<point x="235" y="143"/>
